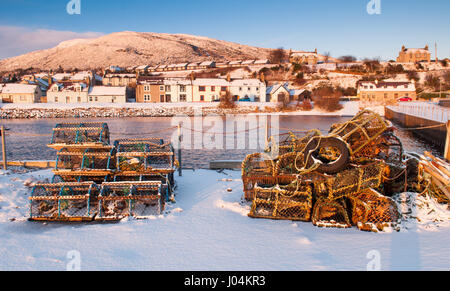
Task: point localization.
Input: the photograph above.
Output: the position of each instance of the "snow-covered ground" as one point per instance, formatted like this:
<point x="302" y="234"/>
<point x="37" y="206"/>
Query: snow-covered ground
<point x="207" y="229"/>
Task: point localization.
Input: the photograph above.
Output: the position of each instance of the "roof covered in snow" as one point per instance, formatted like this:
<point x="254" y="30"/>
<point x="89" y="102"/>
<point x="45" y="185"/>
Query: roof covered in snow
<point x="17" y="88"/>
<point x="108" y="91"/>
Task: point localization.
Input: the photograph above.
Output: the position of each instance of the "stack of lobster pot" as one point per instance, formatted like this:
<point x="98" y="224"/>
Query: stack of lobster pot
<point x="89" y="178"/>
<point x="325" y="178"/>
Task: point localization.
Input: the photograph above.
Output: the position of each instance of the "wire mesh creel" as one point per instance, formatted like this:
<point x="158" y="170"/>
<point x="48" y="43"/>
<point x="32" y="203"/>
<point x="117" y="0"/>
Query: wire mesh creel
<point x="64" y="201"/>
<point x="118" y="200"/>
<point x="80" y="133"/>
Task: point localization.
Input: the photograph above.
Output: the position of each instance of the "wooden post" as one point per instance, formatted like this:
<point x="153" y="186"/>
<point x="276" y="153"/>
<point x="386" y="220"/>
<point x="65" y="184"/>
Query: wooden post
<point x="3" y="133"/>
<point x="180" y="167"/>
<point x="447" y="143"/>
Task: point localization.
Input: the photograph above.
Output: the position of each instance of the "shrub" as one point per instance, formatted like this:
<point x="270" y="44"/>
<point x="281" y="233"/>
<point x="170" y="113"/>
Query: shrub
<point x="327" y="98"/>
<point x="226" y="101"/>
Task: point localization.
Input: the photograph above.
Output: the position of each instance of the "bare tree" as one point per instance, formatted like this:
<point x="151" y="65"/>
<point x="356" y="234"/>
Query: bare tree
<point x="347" y="59"/>
<point x="327" y="56"/>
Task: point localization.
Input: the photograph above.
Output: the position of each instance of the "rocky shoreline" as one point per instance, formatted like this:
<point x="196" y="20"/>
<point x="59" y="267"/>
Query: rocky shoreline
<point x="44" y="113"/>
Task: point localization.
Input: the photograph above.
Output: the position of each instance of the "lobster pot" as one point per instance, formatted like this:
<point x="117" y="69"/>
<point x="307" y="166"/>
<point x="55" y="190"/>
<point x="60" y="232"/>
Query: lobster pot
<point x="123" y="199"/>
<point x="81" y="133"/>
<point x="250" y="182"/>
<point x="288" y="204"/>
<point x="87" y="160"/>
<point x="361" y="131"/>
<point x="141" y="156"/>
<point x="293" y="143"/>
<point x="262" y="181"/>
<point x="64" y="202"/>
<point x="355" y="180"/>
<point x="258" y="164"/>
<point x="330" y="213"/>
<point x="373" y="211"/>
<point x="167" y="181"/>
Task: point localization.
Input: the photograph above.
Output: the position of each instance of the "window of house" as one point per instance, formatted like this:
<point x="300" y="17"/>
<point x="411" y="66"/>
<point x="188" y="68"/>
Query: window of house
<point x="147" y="97"/>
<point x="182" y="88"/>
<point x="146" y="88"/>
<point x="79" y="99"/>
<point x="161" y="88"/>
<point x="96" y="98"/>
<point x="168" y="98"/>
<point x="161" y="98"/>
<point x="56" y="99"/>
<point x="67" y="99"/>
<point x="202" y="89"/>
<point x="90" y="98"/>
<point x="223" y="89"/>
<point x="168" y="88"/>
<point x="240" y="88"/>
<point x="249" y="89"/>
<point x="202" y="97"/>
<point x="113" y="99"/>
<point x="183" y="98"/>
<point x="213" y="89"/>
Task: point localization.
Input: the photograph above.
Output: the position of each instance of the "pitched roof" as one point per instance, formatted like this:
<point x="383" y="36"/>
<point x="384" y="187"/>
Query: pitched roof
<point x="17" y="88"/>
<point x="108" y="91"/>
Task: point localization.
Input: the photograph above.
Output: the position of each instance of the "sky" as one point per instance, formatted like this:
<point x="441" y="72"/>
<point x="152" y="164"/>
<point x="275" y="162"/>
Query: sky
<point x="340" y="27"/>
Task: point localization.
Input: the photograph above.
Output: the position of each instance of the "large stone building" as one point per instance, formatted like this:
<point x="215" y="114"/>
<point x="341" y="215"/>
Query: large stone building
<point x="414" y="55"/>
<point x="385" y="92"/>
<point x="301" y="57"/>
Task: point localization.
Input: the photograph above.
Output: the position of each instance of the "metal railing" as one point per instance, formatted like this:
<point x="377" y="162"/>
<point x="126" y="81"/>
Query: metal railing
<point x="424" y="110"/>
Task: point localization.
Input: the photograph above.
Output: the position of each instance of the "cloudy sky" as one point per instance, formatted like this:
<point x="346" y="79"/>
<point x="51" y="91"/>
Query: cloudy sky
<point x="339" y="27"/>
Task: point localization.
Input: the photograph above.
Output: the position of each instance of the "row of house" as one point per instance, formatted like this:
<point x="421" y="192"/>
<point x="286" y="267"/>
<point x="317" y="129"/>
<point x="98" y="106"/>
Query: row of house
<point x="144" y="69"/>
<point x="156" y="90"/>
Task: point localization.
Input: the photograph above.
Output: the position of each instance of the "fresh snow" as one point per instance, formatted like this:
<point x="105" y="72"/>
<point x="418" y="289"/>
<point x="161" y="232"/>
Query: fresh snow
<point x="207" y="229"/>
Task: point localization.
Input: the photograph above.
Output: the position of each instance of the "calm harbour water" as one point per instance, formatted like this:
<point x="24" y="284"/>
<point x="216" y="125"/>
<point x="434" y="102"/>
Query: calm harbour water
<point x="28" y="139"/>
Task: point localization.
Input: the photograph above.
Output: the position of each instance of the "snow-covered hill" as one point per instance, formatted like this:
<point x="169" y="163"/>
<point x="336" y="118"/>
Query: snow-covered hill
<point x="132" y="49"/>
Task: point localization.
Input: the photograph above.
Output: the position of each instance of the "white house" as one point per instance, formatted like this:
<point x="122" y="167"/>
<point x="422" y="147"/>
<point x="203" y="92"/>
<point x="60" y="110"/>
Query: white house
<point x="104" y="94"/>
<point x="248" y="89"/>
<point x="20" y="93"/>
<point x="66" y="93"/>
<point x="178" y="90"/>
<point x="277" y="93"/>
<point x="209" y="90"/>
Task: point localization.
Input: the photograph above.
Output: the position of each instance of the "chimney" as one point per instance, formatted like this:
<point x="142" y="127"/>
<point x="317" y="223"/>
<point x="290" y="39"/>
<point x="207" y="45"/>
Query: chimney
<point x="426" y="47"/>
<point x="228" y="77"/>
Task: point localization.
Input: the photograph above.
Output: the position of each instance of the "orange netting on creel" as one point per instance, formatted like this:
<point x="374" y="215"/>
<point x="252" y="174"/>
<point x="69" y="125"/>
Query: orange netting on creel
<point x="330" y="213"/>
<point x="290" y="203"/>
<point x="258" y="164"/>
<point x="355" y="180"/>
<point x="294" y="143"/>
<point x="364" y="128"/>
<point x="288" y="164"/>
<point x="369" y="208"/>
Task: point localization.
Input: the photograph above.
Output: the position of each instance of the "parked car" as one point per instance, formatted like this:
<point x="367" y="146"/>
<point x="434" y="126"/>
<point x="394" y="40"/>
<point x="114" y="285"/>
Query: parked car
<point x="245" y="100"/>
<point x="405" y="99"/>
